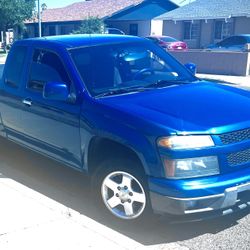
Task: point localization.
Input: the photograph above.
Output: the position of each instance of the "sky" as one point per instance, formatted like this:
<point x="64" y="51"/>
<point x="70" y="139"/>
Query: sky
<point x="62" y="3"/>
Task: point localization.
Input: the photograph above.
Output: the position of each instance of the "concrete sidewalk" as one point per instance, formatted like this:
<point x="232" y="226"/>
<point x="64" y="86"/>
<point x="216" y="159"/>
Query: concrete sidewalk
<point x="47" y="206"/>
<point x="2" y="58"/>
<point x="29" y="220"/>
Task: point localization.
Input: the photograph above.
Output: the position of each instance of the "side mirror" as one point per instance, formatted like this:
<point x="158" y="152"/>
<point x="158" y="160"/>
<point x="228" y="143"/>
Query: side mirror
<point x="56" y="91"/>
<point x="191" y="67"/>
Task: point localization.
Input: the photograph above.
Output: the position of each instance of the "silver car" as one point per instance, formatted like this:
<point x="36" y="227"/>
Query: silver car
<point x="233" y="43"/>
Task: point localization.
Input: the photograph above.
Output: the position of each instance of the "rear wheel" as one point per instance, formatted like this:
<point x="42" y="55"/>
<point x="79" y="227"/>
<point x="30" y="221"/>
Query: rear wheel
<point x="122" y="189"/>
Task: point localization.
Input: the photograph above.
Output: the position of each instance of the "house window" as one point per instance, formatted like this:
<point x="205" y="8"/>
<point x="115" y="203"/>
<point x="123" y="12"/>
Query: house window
<point x="191" y="30"/>
<point x="52" y="30"/>
<point x="66" y="29"/>
<point x="222" y="29"/>
<point x="133" y="29"/>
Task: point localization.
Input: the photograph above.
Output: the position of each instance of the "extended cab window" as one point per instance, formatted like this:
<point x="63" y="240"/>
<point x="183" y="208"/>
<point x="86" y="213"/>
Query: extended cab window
<point x="46" y="67"/>
<point x="14" y="66"/>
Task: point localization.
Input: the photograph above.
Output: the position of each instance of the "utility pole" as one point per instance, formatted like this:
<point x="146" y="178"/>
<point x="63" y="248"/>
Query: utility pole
<point x="39" y="19"/>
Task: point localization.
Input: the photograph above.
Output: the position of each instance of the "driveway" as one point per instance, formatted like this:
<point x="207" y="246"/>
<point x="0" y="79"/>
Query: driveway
<point x="47" y="206"/>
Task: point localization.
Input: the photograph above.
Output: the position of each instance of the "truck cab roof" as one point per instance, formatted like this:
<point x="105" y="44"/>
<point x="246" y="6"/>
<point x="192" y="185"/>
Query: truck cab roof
<point x="74" y="41"/>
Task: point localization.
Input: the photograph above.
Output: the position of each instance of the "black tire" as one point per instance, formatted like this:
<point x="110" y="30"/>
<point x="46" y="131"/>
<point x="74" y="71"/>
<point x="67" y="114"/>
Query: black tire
<point x="111" y="168"/>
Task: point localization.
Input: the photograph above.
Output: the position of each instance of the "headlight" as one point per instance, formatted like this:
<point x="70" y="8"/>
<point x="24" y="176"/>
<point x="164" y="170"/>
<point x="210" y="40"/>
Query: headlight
<point x="192" y="167"/>
<point x="186" y="142"/>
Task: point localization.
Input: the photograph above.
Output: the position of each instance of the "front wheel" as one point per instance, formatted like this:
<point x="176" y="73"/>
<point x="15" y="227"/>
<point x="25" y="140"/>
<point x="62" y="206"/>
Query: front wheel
<point x="123" y="190"/>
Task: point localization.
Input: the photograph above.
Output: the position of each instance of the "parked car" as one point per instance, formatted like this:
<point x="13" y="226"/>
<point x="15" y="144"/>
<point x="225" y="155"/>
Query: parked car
<point x="113" y="31"/>
<point x="169" y="42"/>
<point x="232" y="43"/>
<point x="151" y="135"/>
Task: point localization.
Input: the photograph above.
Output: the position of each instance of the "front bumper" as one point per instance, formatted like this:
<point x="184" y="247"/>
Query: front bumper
<point x="236" y="195"/>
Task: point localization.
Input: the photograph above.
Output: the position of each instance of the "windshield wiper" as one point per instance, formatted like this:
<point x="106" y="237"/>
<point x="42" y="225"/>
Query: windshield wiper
<point x="163" y="83"/>
<point x="121" y="91"/>
<point x="159" y="83"/>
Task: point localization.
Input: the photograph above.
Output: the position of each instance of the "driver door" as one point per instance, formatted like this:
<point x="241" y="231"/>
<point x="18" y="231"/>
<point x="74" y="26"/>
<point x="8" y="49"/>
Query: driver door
<point x="51" y="127"/>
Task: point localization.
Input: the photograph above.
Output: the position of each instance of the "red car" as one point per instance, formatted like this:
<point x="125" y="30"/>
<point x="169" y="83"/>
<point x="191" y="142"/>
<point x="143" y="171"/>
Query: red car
<point x="169" y="42"/>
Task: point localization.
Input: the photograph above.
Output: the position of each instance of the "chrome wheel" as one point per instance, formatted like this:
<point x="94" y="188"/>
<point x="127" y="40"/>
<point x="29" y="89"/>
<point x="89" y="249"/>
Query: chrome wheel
<point x="123" y="195"/>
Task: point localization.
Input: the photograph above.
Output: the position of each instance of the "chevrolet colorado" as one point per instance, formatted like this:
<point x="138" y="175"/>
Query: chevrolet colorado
<point x="152" y="136"/>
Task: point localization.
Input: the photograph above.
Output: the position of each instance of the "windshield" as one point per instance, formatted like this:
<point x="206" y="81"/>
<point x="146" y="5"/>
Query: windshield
<point x="127" y="66"/>
<point x="168" y="39"/>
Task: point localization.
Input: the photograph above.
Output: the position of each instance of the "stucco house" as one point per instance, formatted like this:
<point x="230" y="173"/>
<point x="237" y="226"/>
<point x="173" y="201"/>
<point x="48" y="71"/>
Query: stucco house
<point x="132" y="16"/>
<point x="139" y="19"/>
<point x="203" y="22"/>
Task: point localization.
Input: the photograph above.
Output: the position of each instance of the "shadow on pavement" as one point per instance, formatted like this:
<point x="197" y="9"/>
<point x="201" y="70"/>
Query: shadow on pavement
<point x="71" y="189"/>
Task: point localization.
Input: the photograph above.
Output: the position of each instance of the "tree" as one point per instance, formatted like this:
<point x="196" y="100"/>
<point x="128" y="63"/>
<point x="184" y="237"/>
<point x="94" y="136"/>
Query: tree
<point x="91" y="25"/>
<point x="44" y="6"/>
<point x="14" y="12"/>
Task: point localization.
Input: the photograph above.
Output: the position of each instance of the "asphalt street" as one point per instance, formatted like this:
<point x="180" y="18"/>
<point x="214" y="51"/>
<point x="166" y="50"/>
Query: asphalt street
<point x="44" y="205"/>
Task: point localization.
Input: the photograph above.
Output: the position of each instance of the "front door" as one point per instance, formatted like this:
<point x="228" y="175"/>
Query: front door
<point x="133" y="29"/>
<point x="51" y="126"/>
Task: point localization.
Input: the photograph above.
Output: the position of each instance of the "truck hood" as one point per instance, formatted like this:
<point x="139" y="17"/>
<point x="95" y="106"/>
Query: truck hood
<point x="201" y="107"/>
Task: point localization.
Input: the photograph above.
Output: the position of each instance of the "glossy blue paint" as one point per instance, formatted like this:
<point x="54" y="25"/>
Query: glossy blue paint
<point x="191" y="67"/>
<point x="63" y="129"/>
<point x="200" y="187"/>
<point x="56" y="91"/>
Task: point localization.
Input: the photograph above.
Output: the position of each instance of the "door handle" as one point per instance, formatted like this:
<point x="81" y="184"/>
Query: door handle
<point x="27" y="102"/>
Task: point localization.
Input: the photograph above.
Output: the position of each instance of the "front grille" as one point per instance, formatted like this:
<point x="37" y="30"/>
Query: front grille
<point x="238" y="158"/>
<point x="236" y="136"/>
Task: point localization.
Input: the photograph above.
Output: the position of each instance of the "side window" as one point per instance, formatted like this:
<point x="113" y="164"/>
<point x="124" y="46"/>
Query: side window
<point x="239" y="40"/>
<point x="14" y="66"/>
<point x="226" y="42"/>
<point x="46" y="66"/>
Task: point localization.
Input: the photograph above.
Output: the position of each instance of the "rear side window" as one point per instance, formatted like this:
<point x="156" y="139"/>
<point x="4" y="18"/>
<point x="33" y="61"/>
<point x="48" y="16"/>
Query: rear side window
<point x="14" y="66"/>
<point x="46" y="67"/>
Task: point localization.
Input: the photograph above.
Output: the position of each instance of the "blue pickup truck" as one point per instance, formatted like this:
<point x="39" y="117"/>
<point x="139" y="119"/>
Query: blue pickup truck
<point x="151" y="135"/>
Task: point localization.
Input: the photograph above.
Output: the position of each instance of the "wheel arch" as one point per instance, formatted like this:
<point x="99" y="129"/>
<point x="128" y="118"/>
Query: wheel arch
<point x="101" y="148"/>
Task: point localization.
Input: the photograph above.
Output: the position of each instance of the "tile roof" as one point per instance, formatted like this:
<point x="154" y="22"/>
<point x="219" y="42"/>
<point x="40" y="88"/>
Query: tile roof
<point x="209" y="9"/>
<point x="84" y="9"/>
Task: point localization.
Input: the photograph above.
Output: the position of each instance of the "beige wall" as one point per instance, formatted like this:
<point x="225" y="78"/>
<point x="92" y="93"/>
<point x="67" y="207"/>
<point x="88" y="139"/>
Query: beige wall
<point x="144" y="28"/>
<point x="206" y="33"/>
<point x="221" y="63"/>
<point x="242" y="25"/>
<point x="173" y="29"/>
<point x="156" y="27"/>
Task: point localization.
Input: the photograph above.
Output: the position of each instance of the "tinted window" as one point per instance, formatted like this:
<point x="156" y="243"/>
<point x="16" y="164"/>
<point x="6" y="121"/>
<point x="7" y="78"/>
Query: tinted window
<point x="231" y="41"/>
<point x="14" y="66"/>
<point x="46" y="67"/>
<point x="126" y="65"/>
<point x="115" y="31"/>
<point x="239" y="40"/>
<point x="168" y="39"/>
<point x="225" y="42"/>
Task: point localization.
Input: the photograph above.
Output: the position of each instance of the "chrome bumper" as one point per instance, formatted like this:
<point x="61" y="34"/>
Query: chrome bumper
<point x="180" y="206"/>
